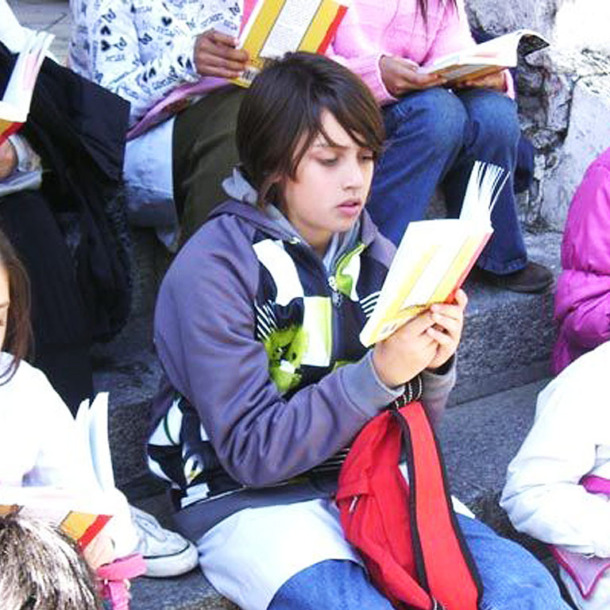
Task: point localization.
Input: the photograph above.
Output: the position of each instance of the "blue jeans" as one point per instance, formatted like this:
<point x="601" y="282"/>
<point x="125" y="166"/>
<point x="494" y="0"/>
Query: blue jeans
<point x="433" y="138"/>
<point x="512" y="580"/>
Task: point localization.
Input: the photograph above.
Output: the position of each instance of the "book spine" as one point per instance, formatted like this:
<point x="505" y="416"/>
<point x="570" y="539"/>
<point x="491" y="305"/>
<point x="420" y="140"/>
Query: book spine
<point x="468" y="268"/>
<point x="330" y="34"/>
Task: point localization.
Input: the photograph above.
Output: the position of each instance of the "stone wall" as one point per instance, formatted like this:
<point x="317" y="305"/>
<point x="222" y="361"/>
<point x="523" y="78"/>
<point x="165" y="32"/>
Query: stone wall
<point x="564" y="94"/>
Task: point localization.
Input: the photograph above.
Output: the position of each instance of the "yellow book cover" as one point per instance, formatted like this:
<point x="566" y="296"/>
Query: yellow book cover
<point x="487" y="57"/>
<point x="277" y="27"/>
<point x="435" y="256"/>
<point x="15" y="103"/>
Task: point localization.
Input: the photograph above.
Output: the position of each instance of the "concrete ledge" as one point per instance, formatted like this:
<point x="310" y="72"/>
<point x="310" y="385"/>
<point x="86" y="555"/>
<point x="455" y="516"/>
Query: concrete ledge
<point x="507" y="337"/>
<point x="189" y="592"/>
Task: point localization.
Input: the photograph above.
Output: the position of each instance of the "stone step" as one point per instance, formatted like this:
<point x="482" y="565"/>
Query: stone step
<point x="188" y="592"/>
<point x="508" y="337"/>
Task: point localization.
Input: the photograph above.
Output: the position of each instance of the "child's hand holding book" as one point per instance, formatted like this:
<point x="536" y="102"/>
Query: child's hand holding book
<point x="426" y="341"/>
<point x="435" y="256"/>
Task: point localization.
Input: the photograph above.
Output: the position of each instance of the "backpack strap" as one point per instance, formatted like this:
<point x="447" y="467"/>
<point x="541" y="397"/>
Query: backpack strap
<point x="114" y="580"/>
<point x="443" y="561"/>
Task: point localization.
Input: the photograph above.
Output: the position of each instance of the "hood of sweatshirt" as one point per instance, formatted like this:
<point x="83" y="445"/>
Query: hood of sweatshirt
<point x="272" y="221"/>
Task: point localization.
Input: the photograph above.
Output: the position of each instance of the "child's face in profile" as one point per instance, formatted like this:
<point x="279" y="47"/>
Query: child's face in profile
<point x="331" y="186"/>
<point x="4" y="295"/>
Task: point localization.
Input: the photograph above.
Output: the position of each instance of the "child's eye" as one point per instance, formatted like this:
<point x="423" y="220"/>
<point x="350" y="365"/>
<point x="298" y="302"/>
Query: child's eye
<point x="367" y="156"/>
<point x="329" y="161"/>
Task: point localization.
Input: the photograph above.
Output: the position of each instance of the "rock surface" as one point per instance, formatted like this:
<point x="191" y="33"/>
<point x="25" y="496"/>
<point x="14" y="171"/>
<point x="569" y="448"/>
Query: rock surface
<point x="563" y="94"/>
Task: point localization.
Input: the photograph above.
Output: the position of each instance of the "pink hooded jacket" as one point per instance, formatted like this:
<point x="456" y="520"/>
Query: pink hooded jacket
<point x="582" y="301"/>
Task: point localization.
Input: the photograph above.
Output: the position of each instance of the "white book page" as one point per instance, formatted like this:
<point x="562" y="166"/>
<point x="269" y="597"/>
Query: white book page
<point x="53" y="503"/>
<point x="98" y="441"/>
<point x="501" y="51"/>
<point x="290" y="27"/>
<point x="451" y="239"/>
<point x="20" y="87"/>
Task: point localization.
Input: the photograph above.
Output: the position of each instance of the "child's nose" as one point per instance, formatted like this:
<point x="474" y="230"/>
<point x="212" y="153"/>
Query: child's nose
<point x="354" y="177"/>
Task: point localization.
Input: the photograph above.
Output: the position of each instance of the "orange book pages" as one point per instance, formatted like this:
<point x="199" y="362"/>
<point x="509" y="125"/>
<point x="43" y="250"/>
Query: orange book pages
<point x="8" y="128"/>
<point x="277" y="27"/>
<point x="457" y="272"/>
<point x="458" y="73"/>
<point x="83" y="527"/>
<point x="8" y="509"/>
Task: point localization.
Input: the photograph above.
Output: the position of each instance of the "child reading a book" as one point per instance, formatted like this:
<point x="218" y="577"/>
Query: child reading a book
<point x="435" y="134"/>
<point x="39" y="437"/>
<point x="558" y="485"/>
<point x="265" y="381"/>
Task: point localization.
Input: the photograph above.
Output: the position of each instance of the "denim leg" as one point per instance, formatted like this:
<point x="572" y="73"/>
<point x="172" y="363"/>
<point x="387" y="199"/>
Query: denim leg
<point x="425" y="133"/>
<point x="492" y="134"/>
<point x="329" y="585"/>
<point x="512" y="578"/>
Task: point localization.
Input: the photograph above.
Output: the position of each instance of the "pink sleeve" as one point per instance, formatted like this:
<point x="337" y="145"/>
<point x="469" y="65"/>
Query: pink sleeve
<point x="453" y="35"/>
<point x="367" y="68"/>
<point x="582" y="301"/>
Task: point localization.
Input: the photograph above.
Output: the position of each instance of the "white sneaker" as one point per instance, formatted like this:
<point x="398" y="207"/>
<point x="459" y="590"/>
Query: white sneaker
<point x="165" y="553"/>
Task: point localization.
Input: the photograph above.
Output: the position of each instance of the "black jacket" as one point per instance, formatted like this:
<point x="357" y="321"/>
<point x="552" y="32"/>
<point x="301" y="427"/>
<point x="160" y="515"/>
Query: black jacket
<point x="79" y="129"/>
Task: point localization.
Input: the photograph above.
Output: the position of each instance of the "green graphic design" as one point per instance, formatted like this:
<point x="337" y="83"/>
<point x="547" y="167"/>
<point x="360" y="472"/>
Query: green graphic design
<point x="344" y="280"/>
<point x="285" y="349"/>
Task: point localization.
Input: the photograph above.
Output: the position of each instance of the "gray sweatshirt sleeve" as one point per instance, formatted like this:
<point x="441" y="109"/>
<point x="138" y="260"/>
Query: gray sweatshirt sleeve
<point x="436" y="391"/>
<point x="204" y="333"/>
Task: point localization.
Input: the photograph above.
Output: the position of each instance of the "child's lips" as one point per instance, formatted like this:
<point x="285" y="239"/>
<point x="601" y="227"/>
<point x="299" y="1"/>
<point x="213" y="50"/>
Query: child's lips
<point x="351" y="207"/>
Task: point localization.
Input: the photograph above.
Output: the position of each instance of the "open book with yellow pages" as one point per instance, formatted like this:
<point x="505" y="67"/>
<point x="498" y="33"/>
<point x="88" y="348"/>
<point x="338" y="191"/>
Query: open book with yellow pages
<point x="82" y="513"/>
<point x="15" y="103"/>
<point x="487" y="57"/>
<point x="435" y="256"/>
<point x="276" y="27"/>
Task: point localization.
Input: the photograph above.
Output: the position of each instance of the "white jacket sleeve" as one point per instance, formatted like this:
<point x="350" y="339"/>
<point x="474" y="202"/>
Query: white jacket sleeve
<point x="542" y="496"/>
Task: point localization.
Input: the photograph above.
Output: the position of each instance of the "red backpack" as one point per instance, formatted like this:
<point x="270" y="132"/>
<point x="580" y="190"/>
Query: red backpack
<point x="406" y="533"/>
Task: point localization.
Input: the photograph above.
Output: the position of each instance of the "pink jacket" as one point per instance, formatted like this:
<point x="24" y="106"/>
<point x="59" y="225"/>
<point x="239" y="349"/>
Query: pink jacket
<point x="372" y="28"/>
<point x="582" y="301"/>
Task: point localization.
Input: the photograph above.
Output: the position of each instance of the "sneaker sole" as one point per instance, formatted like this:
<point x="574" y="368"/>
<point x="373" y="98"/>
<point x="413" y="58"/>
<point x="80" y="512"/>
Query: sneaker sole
<point x="172" y="565"/>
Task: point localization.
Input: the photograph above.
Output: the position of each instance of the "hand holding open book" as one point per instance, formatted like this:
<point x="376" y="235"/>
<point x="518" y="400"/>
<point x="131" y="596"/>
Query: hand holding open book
<point x="486" y="58"/>
<point x="435" y="256"/>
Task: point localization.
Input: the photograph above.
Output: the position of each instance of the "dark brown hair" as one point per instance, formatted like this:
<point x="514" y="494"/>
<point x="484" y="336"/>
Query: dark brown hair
<point x="18" y="331"/>
<point x="281" y="115"/>
<point x="422" y="6"/>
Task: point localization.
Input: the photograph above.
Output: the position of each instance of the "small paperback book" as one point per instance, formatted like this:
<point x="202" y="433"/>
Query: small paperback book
<point x="81" y="518"/>
<point x="435" y="256"/>
<point x="277" y="27"/>
<point x="77" y="513"/>
<point x="488" y="57"/>
<point x="15" y="103"/>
